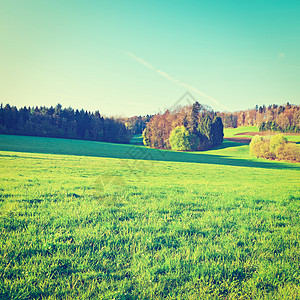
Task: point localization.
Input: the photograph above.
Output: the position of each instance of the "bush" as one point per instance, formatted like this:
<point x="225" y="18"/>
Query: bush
<point x="180" y="139"/>
<point x="265" y="151"/>
<point x="277" y="147"/>
<point x="277" y="141"/>
<point x="290" y="152"/>
<point x="255" y="145"/>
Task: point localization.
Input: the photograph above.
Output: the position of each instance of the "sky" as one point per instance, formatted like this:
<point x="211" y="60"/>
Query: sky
<point x="127" y="58"/>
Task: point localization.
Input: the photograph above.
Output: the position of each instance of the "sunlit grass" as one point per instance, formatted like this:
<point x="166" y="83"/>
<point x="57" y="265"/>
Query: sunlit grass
<point x="231" y="132"/>
<point x="221" y="224"/>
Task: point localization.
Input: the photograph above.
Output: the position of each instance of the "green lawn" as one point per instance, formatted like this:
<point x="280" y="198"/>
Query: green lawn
<point x="90" y="220"/>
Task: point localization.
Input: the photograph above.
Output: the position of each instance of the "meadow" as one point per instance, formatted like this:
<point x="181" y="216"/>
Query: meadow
<point x="92" y="220"/>
<point x="242" y="132"/>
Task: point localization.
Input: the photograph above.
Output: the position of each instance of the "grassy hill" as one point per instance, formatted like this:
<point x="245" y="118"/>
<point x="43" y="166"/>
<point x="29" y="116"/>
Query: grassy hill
<point x="89" y="220"/>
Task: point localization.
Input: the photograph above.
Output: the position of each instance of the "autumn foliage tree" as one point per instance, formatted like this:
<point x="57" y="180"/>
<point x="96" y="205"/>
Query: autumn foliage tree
<point x="193" y="127"/>
<point x="284" y="118"/>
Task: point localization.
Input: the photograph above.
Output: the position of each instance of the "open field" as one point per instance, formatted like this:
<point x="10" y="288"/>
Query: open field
<point x="245" y="134"/>
<point x="231" y="132"/>
<point x="91" y="220"/>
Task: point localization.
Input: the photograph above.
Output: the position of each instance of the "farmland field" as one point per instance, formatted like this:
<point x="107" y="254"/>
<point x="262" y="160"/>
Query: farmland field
<point x="91" y="220"/>
<point x="247" y="132"/>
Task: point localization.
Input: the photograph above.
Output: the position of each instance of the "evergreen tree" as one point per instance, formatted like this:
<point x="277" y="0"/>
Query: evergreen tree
<point x="63" y="123"/>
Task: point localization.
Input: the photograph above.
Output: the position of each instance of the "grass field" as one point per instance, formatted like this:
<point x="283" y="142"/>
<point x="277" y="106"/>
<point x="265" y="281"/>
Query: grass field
<point x="231" y="132"/>
<point x="137" y="139"/>
<point x="242" y="133"/>
<point x="90" y="220"/>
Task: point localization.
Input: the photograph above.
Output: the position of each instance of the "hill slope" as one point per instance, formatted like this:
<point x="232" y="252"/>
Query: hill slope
<point x="210" y="225"/>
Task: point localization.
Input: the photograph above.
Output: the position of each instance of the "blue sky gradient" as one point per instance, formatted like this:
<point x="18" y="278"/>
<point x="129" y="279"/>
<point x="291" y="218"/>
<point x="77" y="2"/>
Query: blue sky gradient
<point x="139" y="57"/>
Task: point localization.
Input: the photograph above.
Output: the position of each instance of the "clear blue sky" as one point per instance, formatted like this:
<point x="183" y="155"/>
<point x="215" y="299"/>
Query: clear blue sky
<point x="139" y="57"/>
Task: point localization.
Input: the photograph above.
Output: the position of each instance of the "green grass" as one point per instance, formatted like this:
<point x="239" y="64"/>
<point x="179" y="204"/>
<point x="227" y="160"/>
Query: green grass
<point x="137" y="139"/>
<point x="293" y="138"/>
<point x="78" y="221"/>
<point x="231" y="132"/>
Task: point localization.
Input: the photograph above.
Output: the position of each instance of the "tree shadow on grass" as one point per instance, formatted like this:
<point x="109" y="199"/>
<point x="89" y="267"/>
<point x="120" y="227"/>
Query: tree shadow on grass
<point x="122" y="151"/>
<point x="229" y="144"/>
<point x="205" y="158"/>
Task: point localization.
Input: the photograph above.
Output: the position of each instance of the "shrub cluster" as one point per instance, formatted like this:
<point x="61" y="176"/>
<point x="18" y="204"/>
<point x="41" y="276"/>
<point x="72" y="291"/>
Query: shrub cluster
<point x="277" y="147"/>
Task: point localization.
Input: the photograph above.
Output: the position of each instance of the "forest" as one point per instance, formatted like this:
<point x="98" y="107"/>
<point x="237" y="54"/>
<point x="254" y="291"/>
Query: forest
<point x="284" y="118"/>
<point x="193" y="127"/>
<point x="62" y="122"/>
<point x="200" y="121"/>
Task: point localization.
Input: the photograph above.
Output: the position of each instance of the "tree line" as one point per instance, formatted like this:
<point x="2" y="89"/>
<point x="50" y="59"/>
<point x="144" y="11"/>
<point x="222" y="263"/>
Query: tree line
<point x="193" y="127"/>
<point x="285" y="118"/>
<point x="62" y="122"/>
<point x="200" y="121"/>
